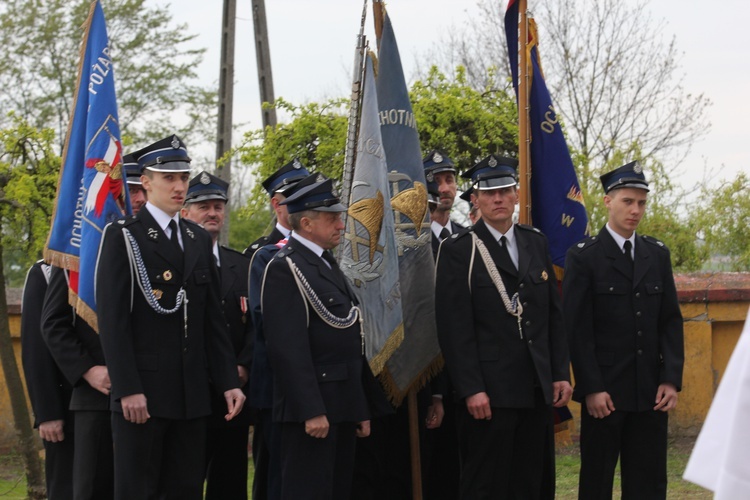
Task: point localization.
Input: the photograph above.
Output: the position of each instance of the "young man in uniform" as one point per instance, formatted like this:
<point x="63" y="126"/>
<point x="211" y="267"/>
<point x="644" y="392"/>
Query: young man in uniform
<point x="164" y="335"/>
<point x="626" y="343"/>
<point x="501" y="331"/>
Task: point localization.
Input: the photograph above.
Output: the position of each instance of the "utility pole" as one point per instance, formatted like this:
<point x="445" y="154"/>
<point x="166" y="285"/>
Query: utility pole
<point x="226" y="100"/>
<point x="263" y="59"/>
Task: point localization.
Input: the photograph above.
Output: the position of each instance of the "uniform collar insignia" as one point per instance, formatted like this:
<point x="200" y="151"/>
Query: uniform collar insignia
<point x="153" y="233"/>
<point x="190" y="232"/>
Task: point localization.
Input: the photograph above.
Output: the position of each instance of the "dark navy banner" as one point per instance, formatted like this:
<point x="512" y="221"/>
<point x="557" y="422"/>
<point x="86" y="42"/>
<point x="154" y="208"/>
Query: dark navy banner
<point x="91" y="191"/>
<point x="417" y="357"/>
<point x="557" y="207"/>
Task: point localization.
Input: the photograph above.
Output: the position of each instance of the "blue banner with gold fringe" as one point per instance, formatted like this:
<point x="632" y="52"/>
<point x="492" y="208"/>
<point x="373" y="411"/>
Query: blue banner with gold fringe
<point x="557" y="207"/>
<point x="91" y="191"/>
<point x="418" y="357"/>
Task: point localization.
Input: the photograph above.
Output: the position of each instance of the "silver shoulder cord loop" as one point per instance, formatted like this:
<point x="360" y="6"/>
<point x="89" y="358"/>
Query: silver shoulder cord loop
<point x="512" y="304"/>
<point x="320" y="309"/>
<point x="136" y="261"/>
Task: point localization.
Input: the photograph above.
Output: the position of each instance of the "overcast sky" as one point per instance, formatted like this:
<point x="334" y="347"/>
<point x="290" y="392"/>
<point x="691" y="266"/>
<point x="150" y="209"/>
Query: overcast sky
<point x="312" y="51"/>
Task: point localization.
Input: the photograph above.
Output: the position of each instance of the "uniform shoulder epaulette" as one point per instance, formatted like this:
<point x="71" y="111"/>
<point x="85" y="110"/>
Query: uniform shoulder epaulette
<point x="287" y="250"/>
<point x="526" y="227"/>
<point x="126" y="221"/>
<point x="457" y="235"/>
<point x="234" y="251"/>
<point x="257" y="244"/>
<point x="585" y="244"/>
<point x="654" y="241"/>
<point x="192" y="222"/>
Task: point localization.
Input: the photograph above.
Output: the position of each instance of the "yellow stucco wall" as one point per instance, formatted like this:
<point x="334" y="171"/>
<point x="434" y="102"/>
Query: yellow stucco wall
<point x="7" y="430"/>
<point x="711" y="332"/>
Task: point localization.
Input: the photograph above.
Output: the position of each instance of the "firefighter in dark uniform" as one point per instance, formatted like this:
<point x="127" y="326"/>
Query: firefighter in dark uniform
<point x="164" y="335"/>
<point x="501" y="332"/>
<point x="226" y="452"/>
<point x="132" y="171"/>
<point x="440" y="171"/>
<point x="324" y="392"/>
<point x="440" y="463"/>
<point x="267" y="478"/>
<point x="277" y="185"/>
<point x="626" y="343"/>
<point x="77" y="350"/>
<point x="49" y="391"/>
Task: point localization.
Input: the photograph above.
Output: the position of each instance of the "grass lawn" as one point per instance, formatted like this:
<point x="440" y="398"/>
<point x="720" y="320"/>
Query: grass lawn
<point x="13" y="481"/>
<point x="569" y="463"/>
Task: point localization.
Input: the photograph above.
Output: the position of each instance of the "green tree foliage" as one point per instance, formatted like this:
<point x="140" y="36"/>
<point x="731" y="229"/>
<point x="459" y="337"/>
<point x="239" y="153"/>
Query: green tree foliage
<point x="315" y="133"/>
<point x="725" y="221"/>
<point x="29" y="169"/>
<point x="154" y="72"/>
<point x="28" y="178"/>
<point x="466" y="123"/>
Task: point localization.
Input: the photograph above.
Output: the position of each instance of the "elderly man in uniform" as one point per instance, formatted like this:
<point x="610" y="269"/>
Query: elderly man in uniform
<point x="226" y="452"/>
<point x="135" y="188"/>
<point x="49" y="391"/>
<point x="501" y="331"/>
<point x="626" y="342"/>
<point x="164" y="335"/>
<point x="277" y="186"/>
<point x="324" y="392"/>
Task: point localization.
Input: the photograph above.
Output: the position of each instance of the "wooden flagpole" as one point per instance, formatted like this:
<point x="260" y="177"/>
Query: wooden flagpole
<point x="378" y="8"/>
<point x="524" y="164"/>
<point x="352" y="133"/>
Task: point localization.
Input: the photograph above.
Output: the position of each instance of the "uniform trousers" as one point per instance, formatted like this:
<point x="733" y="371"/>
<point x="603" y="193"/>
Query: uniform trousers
<point x="504" y="457"/>
<point x="93" y="469"/>
<point x="314" y="468"/>
<point x="639" y="439"/>
<point x="226" y="467"/>
<point x="441" y="467"/>
<point x="162" y="458"/>
<point x="266" y="457"/>
<point x="58" y="466"/>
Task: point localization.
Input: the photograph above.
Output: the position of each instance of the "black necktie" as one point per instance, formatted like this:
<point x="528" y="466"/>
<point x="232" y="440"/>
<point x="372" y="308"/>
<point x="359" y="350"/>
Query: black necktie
<point x="173" y="237"/>
<point x="335" y="269"/>
<point x="328" y="257"/>
<point x="505" y="253"/>
<point x="627" y="246"/>
<point x="444" y="233"/>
